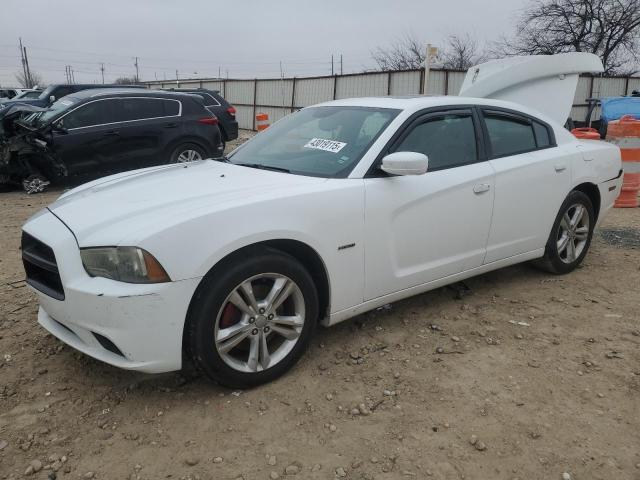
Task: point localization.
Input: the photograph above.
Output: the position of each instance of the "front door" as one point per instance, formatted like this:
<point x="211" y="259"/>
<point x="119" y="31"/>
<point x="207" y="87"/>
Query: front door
<point x="426" y="227"/>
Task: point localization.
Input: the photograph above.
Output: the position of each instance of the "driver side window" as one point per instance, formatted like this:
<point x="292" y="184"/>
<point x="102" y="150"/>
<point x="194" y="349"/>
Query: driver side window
<point x="448" y="140"/>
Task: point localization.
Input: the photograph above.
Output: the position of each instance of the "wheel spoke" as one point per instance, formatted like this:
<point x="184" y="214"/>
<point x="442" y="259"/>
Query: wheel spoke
<point x="288" y="333"/>
<point x="294" y="321"/>
<point x="571" y="250"/>
<point x="247" y="289"/>
<point x="239" y="302"/>
<point x="562" y="243"/>
<point x="279" y="293"/>
<point x="265" y="358"/>
<point x="582" y="233"/>
<point x="254" y="353"/>
<point x="565" y="223"/>
<point x="577" y="216"/>
<point x="228" y="338"/>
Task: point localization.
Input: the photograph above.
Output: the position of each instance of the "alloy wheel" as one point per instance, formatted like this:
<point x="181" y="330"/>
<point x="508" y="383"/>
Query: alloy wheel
<point x="573" y="233"/>
<point x="189" y="156"/>
<point x="260" y="322"/>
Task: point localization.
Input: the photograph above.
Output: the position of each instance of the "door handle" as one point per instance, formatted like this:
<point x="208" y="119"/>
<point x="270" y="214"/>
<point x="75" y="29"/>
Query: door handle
<point x="170" y="125"/>
<point x="111" y="133"/>
<point x="560" y="167"/>
<point x="481" y="188"/>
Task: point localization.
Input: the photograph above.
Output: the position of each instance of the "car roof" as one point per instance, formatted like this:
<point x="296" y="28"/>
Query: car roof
<point x="414" y="103"/>
<point x="126" y="92"/>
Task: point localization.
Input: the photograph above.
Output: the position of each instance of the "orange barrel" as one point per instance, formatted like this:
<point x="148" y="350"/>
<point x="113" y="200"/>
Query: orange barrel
<point x="625" y="133"/>
<point x="586" y="133"/>
<point x="262" y="121"/>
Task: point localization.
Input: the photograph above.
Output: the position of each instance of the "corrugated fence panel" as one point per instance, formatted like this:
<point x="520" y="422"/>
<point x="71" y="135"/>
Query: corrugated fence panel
<point x="455" y="82"/>
<point x="582" y="91"/>
<point x="213" y="85"/>
<point x="239" y="91"/>
<point x="244" y="115"/>
<point x="634" y="84"/>
<point x="362" y="86"/>
<point x="274" y="92"/>
<point x="405" y="83"/>
<point x="436" y="82"/>
<point x="608" y="87"/>
<point x="310" y="91"/>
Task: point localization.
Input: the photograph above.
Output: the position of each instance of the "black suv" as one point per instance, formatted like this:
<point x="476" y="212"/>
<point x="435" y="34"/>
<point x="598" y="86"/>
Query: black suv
<point x="97" y="132"/>
<point x="217" y="105"/>
<point x="55" y="92"/>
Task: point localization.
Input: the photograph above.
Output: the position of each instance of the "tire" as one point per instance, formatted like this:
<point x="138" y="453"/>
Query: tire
<point x="568" y="244"/>
<point x="227" y="357"/>
<point x="187" y="152"/>
<point x="35" y="183"/>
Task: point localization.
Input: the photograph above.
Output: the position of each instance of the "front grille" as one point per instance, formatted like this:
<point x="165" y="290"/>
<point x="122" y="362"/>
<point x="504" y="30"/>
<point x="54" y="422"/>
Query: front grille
<point x="40" y="267"/>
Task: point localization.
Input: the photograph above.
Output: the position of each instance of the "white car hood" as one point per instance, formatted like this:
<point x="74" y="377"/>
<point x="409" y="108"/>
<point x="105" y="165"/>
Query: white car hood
<point x="124" y="208"/>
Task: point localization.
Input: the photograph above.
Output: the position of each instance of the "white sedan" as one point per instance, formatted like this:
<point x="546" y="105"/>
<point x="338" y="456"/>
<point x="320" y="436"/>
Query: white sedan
<point x="334" y="210"/>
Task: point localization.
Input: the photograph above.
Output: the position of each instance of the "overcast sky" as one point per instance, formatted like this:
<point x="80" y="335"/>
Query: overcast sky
<point x="246" y="38"/>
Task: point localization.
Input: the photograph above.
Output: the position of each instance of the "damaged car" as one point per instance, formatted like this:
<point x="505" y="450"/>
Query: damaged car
<point x="97" y="132"/>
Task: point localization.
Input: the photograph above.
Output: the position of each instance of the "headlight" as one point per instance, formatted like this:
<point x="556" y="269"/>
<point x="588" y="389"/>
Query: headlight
<point x="125" y="264"/>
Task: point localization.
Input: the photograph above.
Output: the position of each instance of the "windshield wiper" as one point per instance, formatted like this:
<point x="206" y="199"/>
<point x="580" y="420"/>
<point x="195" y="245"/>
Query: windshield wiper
<point x="223" y="159"/>
<point x="264" y="167"/>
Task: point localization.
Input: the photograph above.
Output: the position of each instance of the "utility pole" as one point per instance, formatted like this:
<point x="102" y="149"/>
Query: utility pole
<point x="431" y="52"/>
<point x="24" y="68"/>
<point x="102" y="71"/>
<point x="26" y="64"/>
<point x="340" y="64"/>
<point x="332" y="65"/>
<point x="219" y="71"/>
<point x="137" y="72"/>
<point x="177" y="78"/>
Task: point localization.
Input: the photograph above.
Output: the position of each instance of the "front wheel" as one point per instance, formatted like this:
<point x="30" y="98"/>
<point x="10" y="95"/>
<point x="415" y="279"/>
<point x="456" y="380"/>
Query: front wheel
<point x="570" y="236"/>
<point x="252" y="320"/>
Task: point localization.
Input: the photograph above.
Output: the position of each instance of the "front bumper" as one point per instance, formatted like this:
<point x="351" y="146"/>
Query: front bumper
<point x="131" y="326"/>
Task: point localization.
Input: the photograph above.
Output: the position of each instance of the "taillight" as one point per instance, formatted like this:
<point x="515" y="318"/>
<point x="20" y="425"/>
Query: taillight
<point x="209" y="120"/>
<point x="231" y="111"/>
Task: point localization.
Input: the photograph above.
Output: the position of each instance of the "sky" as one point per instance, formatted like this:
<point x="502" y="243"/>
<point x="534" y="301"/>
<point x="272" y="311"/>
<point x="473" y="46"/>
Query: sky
<point x="238" y="38"/>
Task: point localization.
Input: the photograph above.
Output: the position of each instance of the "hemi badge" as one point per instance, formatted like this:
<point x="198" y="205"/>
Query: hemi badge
<point x="348" y="245"/>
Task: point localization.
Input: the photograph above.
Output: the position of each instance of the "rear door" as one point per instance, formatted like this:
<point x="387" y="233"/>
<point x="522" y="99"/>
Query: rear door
<point x="425" y="227"/>
<point x="532" y="179"/>
<point x="146" y="126"/>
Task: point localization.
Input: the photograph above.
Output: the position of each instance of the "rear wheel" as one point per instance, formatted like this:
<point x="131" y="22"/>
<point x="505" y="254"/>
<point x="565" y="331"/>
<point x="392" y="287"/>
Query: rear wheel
<point x="187" y="152"/>
<point x="571" y="235"/>
<point x="252" y="320"/>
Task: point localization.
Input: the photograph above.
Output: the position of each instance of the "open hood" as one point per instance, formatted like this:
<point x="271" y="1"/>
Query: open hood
<point x="546" y="83"/>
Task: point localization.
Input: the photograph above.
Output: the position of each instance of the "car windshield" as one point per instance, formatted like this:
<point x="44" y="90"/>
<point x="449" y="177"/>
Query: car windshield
<point x="41" y="119"/>
<point x="318" y="141"/>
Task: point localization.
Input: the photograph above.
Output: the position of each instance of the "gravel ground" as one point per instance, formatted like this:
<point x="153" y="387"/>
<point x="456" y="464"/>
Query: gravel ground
<point x="526" y="375"/>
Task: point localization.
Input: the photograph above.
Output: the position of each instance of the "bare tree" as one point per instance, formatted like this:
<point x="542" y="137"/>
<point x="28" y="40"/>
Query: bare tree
<point x="35" y="80"/>
<point x="125" y="81"/>
<point x="608" y="28"/>
<point x="407" y="53"/>
<point x="461" y="52"/>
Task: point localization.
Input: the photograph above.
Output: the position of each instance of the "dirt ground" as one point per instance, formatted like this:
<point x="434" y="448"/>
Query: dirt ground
<point x="538" y="376"/>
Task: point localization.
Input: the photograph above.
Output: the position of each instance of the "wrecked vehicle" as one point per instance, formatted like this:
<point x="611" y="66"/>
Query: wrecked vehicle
<point x="93" y="133"/>
<point x="21" y="149"/>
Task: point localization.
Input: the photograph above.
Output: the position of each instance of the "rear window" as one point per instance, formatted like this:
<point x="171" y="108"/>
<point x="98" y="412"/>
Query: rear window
<point x="146" y="108"/>
<point x="542" y="135"/>
<point x="509" y="135"/>
<point x="209" y="100"/>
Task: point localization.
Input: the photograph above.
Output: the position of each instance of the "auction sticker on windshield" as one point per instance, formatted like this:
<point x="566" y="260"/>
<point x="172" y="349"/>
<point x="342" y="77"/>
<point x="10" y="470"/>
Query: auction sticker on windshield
<point x="326" y="145"/>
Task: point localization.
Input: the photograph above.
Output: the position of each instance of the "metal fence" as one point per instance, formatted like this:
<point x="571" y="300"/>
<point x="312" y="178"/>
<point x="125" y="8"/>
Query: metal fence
<point x="281" y="96"/>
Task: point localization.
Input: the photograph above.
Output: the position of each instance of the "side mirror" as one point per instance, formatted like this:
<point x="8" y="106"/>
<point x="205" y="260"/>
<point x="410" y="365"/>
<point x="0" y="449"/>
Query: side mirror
<point x="405" y="163"/>
<point x="58" y="127"/>
<point x="52" y="98"/>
